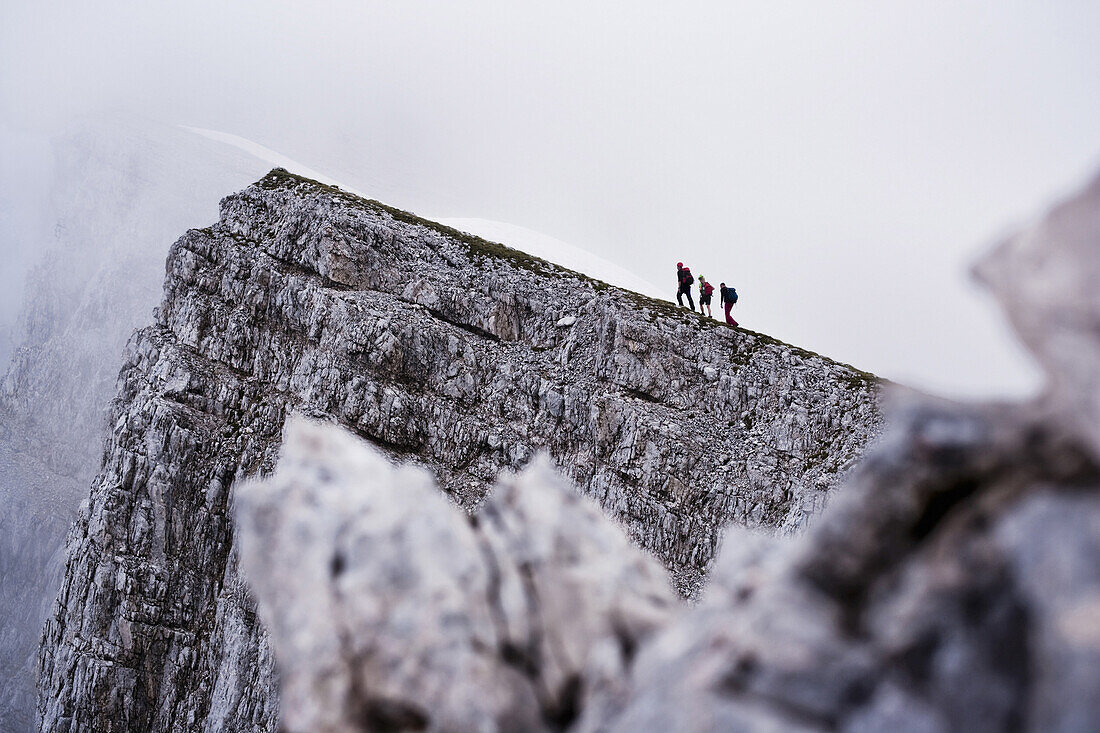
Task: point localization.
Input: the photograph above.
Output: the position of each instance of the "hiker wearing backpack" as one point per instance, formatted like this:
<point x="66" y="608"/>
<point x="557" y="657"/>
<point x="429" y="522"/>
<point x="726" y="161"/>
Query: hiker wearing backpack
<point x="684" y="280"/>
<point x="729" y="297"/>
<point x="705" y="291"/>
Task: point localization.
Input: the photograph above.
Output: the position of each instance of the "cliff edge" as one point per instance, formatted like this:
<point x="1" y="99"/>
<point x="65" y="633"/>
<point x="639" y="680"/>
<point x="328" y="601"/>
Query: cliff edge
<point x="443" y="350"/>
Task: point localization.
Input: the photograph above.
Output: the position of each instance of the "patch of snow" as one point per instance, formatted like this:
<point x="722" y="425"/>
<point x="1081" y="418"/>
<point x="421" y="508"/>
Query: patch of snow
<point x="556" y="251"/>
<point x="273" y="157"/>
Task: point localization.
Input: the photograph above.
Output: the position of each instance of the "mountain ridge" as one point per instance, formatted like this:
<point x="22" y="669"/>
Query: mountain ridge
<point x="492" y="248"/>
<point x="462" y="355"/>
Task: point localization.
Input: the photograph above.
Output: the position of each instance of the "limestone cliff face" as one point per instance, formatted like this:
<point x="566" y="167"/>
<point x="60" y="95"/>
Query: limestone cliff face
<point x="441" y="349"/>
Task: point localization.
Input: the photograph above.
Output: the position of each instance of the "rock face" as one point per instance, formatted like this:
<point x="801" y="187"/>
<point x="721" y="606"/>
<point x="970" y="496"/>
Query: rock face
<point x="443" y="350"/>
<point x="954" y="585"/>
<point x="951" y="586"/>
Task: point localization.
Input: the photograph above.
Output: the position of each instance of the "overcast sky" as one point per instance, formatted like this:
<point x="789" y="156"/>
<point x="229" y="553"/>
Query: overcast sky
<point x="840" y="163"/>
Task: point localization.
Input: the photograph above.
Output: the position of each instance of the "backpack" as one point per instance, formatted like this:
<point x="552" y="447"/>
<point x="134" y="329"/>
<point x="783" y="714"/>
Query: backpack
<point x="690" y="279"/>
<point x="731" y="294"/>
<point x="708" y="289"/>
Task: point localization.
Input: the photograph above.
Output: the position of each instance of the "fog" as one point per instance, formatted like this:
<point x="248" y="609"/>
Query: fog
<point x="840" y="164"/>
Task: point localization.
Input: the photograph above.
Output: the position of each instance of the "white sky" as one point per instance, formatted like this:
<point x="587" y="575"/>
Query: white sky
<point x="839" y="162"/>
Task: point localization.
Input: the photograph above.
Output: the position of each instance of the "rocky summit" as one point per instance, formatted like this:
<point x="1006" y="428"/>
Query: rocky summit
<point x="462" y="358"/>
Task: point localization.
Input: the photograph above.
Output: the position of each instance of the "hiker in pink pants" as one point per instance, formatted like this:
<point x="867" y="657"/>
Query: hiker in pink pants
<point x="729" y="297"/>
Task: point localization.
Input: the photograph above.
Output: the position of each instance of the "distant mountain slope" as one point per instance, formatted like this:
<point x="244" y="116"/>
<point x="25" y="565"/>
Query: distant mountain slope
<point x="120" y="192"/>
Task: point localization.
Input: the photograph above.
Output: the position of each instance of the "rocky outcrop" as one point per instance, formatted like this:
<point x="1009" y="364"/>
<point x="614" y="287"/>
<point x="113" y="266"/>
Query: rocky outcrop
<point x="943" y="590"/>
<point x="391" y="609"/>
<point x="954" y="585"/>
<point x="444" y="351"/>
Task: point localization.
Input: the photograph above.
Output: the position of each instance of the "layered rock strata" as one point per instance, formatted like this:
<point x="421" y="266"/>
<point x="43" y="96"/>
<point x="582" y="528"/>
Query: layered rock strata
<point x="445" y="351"/>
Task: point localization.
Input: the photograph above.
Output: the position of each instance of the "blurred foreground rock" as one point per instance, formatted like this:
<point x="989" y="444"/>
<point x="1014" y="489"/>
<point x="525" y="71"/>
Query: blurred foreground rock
<point x="391" y="609"/>
<point x="953" y="586"/>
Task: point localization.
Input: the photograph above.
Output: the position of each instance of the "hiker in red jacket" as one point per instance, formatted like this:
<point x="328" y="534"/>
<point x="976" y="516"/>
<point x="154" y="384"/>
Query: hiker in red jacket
<point x="705" y="291"/>
<point x="684" y="279"/>
<point x="729" y="297"/>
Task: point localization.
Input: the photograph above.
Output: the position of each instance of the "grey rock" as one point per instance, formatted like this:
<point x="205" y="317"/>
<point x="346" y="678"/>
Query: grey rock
<point x="390" y="608"/>
<point x="1045" y="279"/>
<point x="304" y="299"/>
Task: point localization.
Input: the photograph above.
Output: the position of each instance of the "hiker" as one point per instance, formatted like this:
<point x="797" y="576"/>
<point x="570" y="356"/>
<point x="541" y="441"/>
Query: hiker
<point x="729" y="297"/>
<point x="705" y="291"/>
<point x="684" y="279"/>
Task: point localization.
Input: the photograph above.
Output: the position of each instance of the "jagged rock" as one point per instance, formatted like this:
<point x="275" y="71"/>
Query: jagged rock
<point x="391" y="609"/>
<point x="443" y="351"/>
<point x="1045" y="279"/>
<point x="954" y="585"/>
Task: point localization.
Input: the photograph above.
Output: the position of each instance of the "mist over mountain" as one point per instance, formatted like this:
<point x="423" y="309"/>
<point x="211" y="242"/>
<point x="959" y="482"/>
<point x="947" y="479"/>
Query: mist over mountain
<point x="119" y="191"/>
<point x="245" y="414"/>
